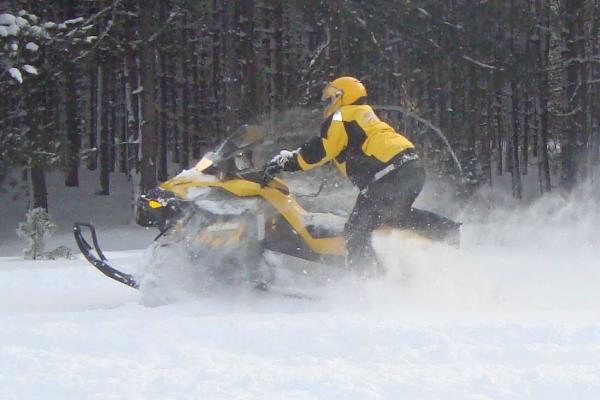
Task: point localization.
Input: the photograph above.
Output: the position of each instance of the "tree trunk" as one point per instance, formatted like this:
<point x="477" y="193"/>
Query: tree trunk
<point x="184" y="103"/>
<point x="37" y="114"/>
<point x="594" y="101"/>
<point x="113" y="122"/>
<point x="175" y="104"/>
<point x="517" y="186"/>
<point x="163" y="116"/>
<point x="132" y="100"/>
<point x="571" y="145"/>
<point x="38" y="187"/>
<point x="193" y="36"/>
<point x="232" y="93"/>
<point x="72" y="126"/>
<point x="218" y="78"/>
<point x="92" y="153"/>
<point x="148" y="138"/>
<point x="249" y="104"/>
<point x="278" y="45"/>
<point x="123" y="118"/>
<point x="542" y="57"/>
<point x="103" y="128"/>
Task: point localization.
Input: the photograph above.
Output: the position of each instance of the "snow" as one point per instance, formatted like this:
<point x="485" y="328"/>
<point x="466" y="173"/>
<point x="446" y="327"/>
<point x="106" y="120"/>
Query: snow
<point x="217" y="207"/>
<point x="73" y="21"/>
<point x="13" y="29"/>
<point x="32" y="46"/>
<point x="21" y="22"/>
<point x="7" y="19"/>
<point x="16" y="74"/>
<point x="30" y="69"/>
<point x="193" y="173"/>
<point x="512" y="314"/>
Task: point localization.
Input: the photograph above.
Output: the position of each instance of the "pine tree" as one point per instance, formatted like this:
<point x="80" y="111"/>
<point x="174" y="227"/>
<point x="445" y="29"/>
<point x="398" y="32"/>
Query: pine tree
<point x="37" y="228"/>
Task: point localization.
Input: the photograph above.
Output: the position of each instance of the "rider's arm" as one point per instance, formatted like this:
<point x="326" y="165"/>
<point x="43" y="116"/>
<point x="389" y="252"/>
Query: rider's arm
<point x="320" y="149"/>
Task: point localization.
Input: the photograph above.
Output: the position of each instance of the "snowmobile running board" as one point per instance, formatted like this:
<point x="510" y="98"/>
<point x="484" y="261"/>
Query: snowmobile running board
<point x="100" y="262"/>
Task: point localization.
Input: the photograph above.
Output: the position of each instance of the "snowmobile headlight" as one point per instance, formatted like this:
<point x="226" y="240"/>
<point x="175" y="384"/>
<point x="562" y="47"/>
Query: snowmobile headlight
<point x="154" y="204"/>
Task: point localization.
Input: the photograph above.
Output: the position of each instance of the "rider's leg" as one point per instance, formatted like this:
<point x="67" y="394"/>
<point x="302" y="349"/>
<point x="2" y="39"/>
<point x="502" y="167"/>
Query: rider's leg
<point x="398" y="191"/>
<point x="387" y="201"/>
<point x="360" y="256"/>
<point x="435" y="226"/>
<point x="403" y="187"/>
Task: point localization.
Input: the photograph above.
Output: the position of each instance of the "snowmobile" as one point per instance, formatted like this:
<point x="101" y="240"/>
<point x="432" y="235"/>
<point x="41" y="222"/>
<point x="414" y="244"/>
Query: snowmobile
<point x="222" y="216"/>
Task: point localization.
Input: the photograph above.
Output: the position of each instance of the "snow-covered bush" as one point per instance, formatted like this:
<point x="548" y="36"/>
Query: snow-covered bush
<point x="23" y="36"/>
<point x="19" y="38"/>
<point x="35" y="230"/>
<point x="59" y="252"/>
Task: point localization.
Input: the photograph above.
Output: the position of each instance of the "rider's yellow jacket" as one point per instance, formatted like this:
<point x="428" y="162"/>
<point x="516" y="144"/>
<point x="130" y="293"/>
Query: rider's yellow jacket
<point x="357" y="141"/>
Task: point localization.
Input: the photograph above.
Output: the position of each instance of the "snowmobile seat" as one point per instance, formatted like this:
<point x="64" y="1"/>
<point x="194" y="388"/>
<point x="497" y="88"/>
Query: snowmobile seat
<point x="324" y="225"/>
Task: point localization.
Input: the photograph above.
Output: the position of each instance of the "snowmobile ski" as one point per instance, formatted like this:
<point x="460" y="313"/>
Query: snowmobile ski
<point x="99" y="261"/>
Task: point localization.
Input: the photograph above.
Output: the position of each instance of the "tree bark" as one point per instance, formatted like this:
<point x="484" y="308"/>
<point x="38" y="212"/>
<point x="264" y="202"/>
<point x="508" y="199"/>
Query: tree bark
<point x="517" y="185"/>
<point x="542" y="52"/>
<point x="92" y="155"/>
<point x="132" y="101"/>
<point x="183" y="113"/>
<point x="103" y="128"/>
<point x="571" y="145"/>
<point x="249" y="104"/>
<point x="37" y="114"/>
<point x="148" y="138"/>
<point x="72" y="126"/>
<point x="232" y="93"/>
<point x="38" y="186"/>
<point x="163" y="127"/>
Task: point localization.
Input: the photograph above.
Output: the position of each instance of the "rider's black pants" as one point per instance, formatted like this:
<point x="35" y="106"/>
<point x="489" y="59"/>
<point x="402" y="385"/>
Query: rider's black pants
<point x="388" y="202"/>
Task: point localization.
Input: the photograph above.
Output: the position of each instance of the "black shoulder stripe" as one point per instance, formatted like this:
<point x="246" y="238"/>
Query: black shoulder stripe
<point x="313" y="151"/>
<point x="356" y="135"/>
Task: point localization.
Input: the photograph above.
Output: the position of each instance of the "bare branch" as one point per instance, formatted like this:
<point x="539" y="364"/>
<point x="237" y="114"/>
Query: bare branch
<point x="94" y="17"/>
<point x="478" y="63"/>
<point x="322" y="47"/>
<point x="172" y="15"/>
<point x="427" y="123"/>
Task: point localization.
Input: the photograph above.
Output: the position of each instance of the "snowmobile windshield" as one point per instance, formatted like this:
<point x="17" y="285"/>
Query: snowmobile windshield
<point x="234" y="151"/>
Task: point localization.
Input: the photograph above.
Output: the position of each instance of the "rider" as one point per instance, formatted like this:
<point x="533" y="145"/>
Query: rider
<point x="381" y="162"/>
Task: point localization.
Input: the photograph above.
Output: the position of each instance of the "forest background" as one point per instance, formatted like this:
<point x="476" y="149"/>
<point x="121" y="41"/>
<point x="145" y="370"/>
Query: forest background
<point x="136" y="86"/>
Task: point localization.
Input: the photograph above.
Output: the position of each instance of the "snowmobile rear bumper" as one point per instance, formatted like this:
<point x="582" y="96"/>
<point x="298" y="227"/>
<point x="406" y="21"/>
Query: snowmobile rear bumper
<point x="98" y="260"/>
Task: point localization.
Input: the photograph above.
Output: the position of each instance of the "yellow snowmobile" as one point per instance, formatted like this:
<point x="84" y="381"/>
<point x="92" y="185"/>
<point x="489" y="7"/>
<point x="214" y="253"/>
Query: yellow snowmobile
<point x="226" y="221"/>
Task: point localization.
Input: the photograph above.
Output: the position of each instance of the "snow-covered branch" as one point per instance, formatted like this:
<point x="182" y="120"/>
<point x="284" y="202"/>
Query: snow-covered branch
<point x="94" y="17"/>
<point x="425" y="122"/>
<point x="478" y="63"/>
<point x="320" y="49"/>
<point x="175" y="13"/>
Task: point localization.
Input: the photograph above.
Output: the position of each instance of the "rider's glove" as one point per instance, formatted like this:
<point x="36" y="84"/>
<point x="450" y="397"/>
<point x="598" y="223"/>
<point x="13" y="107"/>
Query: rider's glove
<point x="284" y="161"/>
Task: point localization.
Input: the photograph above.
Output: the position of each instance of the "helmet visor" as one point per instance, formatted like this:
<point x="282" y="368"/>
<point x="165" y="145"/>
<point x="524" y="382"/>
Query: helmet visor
<point x="330" y="92"/>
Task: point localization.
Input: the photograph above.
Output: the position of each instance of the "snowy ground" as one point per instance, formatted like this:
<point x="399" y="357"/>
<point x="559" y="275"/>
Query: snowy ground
<point x="513" y="314"/>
